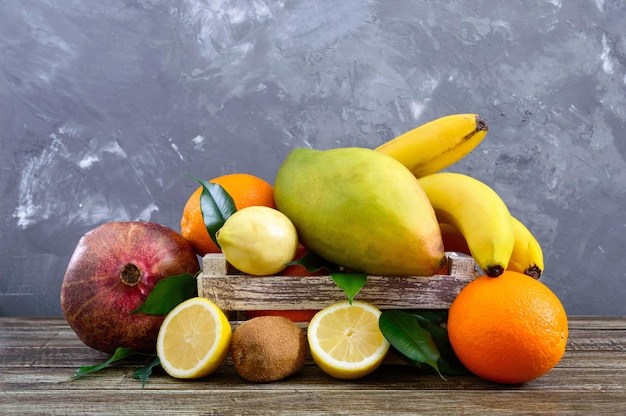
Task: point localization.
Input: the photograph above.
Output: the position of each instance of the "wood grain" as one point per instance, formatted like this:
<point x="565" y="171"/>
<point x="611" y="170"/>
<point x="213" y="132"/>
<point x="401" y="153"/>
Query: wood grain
<point x="233" y="291"/>
<point x="38" y="356"/>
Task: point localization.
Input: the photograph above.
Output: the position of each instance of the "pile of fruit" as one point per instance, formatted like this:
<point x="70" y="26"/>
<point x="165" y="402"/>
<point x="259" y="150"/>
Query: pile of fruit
<point x="393" y="211"/>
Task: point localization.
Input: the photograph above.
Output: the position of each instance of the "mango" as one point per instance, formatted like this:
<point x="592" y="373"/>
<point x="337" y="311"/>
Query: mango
<point x="360" y="209"/>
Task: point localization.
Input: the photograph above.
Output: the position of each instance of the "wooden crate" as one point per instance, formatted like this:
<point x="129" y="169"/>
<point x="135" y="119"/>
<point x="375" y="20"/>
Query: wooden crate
<point x="236" y="292"/>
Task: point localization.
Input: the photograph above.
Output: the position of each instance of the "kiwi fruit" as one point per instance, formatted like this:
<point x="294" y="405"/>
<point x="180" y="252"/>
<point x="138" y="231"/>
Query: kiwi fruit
<point x="268" y="348"/>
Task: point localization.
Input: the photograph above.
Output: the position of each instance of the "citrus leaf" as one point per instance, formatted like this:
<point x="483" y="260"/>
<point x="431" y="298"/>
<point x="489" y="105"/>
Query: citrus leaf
<point x="314" y="263"/>
<point x="120" y="354"/>
<point x="432" y="316"/>
<point x="142" y="373"/>
<point x="168" y="293"/>
<point x="404" y="333"/>
<point x="431" y="321"/>
<point x="216" y="206"/>
<point x="351" y="283"/>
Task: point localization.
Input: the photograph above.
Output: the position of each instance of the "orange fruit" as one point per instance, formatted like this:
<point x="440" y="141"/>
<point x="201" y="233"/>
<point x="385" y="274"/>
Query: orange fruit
<point x="507" y="329"/>
<point x="245" y="189"/>
<point x="301" y="315"/>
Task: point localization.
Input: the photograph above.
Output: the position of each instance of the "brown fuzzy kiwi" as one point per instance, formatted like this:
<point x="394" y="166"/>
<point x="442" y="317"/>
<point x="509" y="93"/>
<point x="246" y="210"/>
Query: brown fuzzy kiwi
<point x="268" y="348"/>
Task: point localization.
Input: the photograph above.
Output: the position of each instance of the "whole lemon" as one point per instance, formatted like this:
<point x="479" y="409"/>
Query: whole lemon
<point x="258" y="240"/>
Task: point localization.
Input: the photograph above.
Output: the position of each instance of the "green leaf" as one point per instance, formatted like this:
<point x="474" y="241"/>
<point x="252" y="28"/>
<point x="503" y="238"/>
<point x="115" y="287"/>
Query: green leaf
<point x="142" y="373"/>
<point x="435" y="317"/>
<point x="314" y="263"/>
<point x="404" y="333"/>
<point x="431" y="321"/>
<point x="216" y="206"/>
<point x="120" y="354"/>
<point x="168" y="293"/>
<point x="351" y="283"/>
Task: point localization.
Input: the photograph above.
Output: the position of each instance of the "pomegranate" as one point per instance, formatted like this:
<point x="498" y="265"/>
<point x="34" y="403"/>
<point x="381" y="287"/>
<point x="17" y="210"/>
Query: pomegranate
<point x="111" y="273"/>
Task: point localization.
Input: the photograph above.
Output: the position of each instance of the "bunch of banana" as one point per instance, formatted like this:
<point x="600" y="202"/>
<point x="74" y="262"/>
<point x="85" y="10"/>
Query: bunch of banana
<point x="494" y="238"/>
<point x="527" y="256"/>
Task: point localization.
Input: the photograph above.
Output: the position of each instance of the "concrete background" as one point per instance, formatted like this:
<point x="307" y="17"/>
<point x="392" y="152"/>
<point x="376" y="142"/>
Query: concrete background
<point x="106" y="106"/>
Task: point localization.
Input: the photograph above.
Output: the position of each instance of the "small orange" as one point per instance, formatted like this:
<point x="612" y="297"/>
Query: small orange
<point x="245" y="189"/>
<point x="299" y="315"/>
<point x="508" y="329"/>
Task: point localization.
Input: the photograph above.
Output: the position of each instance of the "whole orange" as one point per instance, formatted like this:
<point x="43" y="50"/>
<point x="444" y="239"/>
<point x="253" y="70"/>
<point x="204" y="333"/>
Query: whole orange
<point x="507" y="329"/>
<point x="245" y="189"/>
<point x="296" y="315"/>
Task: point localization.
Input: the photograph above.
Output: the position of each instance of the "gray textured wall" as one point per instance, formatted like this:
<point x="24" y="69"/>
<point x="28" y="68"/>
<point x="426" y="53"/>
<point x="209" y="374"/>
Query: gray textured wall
<point x="106" y="106"/>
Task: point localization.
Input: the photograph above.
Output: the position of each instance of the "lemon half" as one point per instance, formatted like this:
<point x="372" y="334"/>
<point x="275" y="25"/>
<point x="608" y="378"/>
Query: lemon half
<point x="194" y="339"/>
<point x="345" y="340"/>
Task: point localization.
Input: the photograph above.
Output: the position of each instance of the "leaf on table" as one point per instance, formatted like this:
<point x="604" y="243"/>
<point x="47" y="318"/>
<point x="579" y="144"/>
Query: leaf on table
<point x="142" y="373"/>
<point x="216" y="206"/>
<point x="168" y="293"/>
<point x="404" y="333"/>
<point x="120" y="354"/>
<point x="350" y="283"/>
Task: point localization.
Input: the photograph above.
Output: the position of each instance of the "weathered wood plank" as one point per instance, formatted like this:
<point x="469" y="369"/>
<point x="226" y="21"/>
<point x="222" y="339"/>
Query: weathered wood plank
<point x="27" y="342"/>
<point x="560" y="379"/>
<point x="73" y="357"/>
<point x="586" y="333"/>
<point x="38" y="357"/>
<point x="45" y="324"/>
<point x="310" y="402"/>
<point x="242" y="293"/>
<point x="596" y="340"/>
<point x="598" y="322"/>
<point x="238" y="292"/>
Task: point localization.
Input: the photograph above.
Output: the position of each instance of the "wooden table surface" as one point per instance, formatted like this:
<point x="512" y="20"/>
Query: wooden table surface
<point x="38" y="356"/>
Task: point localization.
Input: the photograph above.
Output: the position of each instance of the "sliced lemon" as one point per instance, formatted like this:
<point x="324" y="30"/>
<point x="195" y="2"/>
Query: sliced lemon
<point x="193" y="339"/>
<point x="345" y="340"/>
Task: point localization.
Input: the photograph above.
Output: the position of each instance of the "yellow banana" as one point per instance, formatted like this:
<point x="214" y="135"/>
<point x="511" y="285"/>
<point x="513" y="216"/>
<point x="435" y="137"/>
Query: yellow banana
<point x="478" y="212"/>
<point x="527" y="256"/>
<point x="435" y="145"/>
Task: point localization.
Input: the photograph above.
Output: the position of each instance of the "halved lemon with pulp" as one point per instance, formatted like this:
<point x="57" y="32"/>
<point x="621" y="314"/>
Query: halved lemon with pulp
<point x="194" y="338"/>
<point x="345" y="340"/>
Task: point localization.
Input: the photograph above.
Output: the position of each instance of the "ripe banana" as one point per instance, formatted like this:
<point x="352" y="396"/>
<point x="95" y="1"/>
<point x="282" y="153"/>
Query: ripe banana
<point x="435" y="145"/>
<point x="478" y="212"/>
<point x="527" y="256"/>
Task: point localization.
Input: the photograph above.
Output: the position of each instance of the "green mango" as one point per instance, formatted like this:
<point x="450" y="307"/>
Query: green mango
<point x="360" y="209"/>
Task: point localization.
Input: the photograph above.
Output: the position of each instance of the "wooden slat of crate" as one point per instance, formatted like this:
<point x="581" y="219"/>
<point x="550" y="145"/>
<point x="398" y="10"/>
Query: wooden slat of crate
<point x="233" y="291"/>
